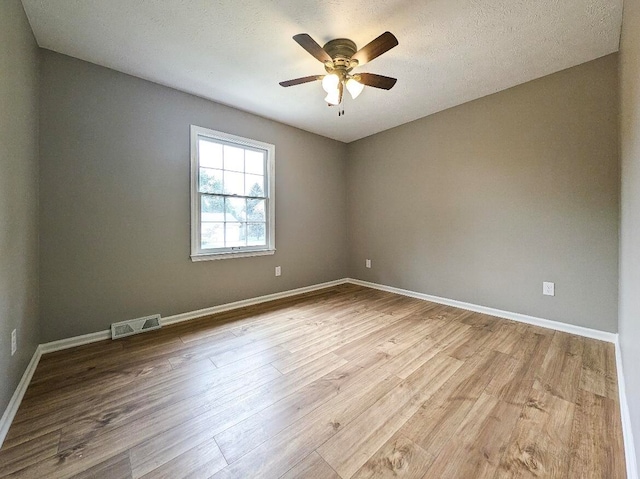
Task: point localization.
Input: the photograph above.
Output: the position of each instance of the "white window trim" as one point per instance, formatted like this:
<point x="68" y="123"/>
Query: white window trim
<point x="198" y="254"/>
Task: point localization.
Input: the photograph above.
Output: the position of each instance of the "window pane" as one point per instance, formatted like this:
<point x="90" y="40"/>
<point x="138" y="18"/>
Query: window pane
<point x="256" y="234"/>
<point x="233" y="158"/>
<point x="233" y="183"/>
<point x="210" y="154"/>
<point x="255" y="210"/>
<point x="210" y="180"/>
<point x="254" y="162"/>
<point x="235" y="234"/>
<point x="254" y="185"/>
<point x="235" y="209"/>
<point x="211" y="208"/>
<point x="212" y="235"/>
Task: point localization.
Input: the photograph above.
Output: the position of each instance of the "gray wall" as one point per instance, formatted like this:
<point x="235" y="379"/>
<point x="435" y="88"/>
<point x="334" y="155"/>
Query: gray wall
<point x="483" y="202"/>
<point x="630" y="209"/>
<point x="18" y="195"/>
<point x="114" y="214"/>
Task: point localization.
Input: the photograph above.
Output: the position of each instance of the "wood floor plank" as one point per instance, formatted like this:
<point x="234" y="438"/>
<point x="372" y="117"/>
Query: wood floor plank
<point x="275" y="324"/>
<point x="239" y="347"/>
<point x="407" y="336"/>
<point x="65" y="388"/>
<point x="505" y="339"/>
<point x="239" y="439"/>
<point x="371" y="341"/>
<point x="229" y="356"/>
<point x="468" y="343"/>
<point x="87" y="452"/>
<point x="596" y="441"/>
<point x="299" y="306"/>
<point x="343" y="331"/>
<point x="311" y="467"/>
<point x="132" y="349"/>
<point x="412" y="358"/>
<point x="305" y="435"/>
<point x="539" y="446"/>
<point x="42" y="420"/>
<point x="205" y="456"/>
<point x="57" y="360"/>
<point x="399" y="457"/>
<point x="281" y="332"/>
<point x="87" y="370"/>
<point x="272" y="356"/>
<point x="514" y="385"/>
<point x="349" y="449"/>
<point x="438" y="420"/>
<point x="381" y="385"/>
<point x="448" y="332"/>
<point x="481" y="321"/>
<point x="157" y="450"/>
<point x="561" y="369"/>
<point x="304" y="349"/>
<point x="476" y="449"/>
<point x="599" y="369"/>
<point x="109" y="381"/>
<point x="196" y="395"/>
<point x="14" y="458"/>
<point x="116" y="467"/>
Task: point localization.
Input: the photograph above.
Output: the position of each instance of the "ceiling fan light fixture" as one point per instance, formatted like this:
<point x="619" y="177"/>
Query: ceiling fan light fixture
<point x="330" y="83"/>
<point x="354" y="87"/>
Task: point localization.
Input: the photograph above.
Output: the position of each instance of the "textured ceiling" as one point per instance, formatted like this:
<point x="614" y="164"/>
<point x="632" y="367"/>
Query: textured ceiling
<point x="236" y="52"/>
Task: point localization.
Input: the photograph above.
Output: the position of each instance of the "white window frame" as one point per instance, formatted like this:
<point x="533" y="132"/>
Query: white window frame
<point x="199" y="254"/>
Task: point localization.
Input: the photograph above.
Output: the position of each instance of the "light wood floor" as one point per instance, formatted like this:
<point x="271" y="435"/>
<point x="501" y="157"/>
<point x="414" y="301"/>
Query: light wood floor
<point x="344" y="382"/>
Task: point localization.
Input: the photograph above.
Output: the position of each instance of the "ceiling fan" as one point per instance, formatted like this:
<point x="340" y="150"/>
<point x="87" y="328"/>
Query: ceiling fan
<point x="340" y="57"/>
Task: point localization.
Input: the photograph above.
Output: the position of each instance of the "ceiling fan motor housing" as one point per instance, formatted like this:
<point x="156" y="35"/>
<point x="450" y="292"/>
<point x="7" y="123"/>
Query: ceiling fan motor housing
<point x="340" y="50"/>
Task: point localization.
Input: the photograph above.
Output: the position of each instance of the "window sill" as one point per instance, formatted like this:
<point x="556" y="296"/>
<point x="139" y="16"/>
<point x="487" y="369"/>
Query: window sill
<point x="240" y="254"/>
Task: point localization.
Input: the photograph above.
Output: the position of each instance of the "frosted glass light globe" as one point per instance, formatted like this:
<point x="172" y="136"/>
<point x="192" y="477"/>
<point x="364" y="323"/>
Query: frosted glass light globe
<point x="354" y="87"/>
<point x="330" y="82"/>
<point x="333" y="97"/>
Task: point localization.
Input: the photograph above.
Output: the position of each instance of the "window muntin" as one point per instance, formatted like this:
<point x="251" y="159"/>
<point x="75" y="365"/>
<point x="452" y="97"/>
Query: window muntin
<point x="232" y="195"/>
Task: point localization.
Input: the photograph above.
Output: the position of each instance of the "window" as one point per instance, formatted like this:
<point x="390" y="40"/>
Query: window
<point x="232" y="201"/>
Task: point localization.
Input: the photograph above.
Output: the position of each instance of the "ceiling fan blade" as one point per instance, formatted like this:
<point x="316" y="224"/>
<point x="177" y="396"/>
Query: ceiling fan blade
<point x="300" y="81"/>
<point x="310" y="45"/>
<point x="376" y="81"/>
<point x="375" y="48"/>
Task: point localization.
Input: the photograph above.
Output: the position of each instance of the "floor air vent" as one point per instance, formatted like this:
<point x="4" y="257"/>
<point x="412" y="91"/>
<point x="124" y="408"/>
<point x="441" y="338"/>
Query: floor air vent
<point x="135" y="326"/>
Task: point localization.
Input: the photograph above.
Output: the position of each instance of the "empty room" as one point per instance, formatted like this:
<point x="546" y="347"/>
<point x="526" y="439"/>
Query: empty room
<point x="320" y="240"/>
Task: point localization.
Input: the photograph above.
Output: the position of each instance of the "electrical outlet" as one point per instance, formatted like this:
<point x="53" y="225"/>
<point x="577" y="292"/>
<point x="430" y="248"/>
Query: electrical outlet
<point x="14" y="342"/>
<point x="548" y="289"/>
<point x="367" y="263"/>
<point x="278" y="270"/>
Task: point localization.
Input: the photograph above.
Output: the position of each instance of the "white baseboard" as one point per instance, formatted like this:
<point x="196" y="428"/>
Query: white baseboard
<point x="522" y="318"/>
<point x="16" y="399"/>
<point x="627" y="433"/>
<point x="75" y="341"/>
<point x="178" y="318"/>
